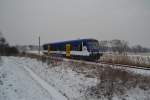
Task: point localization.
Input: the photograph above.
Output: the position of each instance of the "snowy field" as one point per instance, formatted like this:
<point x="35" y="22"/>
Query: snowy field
<point x="28" y="79"/>
<point x="16" y="83"/>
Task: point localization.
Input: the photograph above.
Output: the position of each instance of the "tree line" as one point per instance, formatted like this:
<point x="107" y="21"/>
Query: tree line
<point x="115" y="46"/>
<point x="121" y="47"/>
<point x="5" y="48"/>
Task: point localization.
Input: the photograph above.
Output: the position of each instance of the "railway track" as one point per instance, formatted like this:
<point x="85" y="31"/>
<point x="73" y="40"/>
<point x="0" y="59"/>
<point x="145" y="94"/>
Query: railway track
<point x="100" y="63"/>
<point x="110" y="64"/>
<point x="94" y="63"/>
<point x="127" y="66"/>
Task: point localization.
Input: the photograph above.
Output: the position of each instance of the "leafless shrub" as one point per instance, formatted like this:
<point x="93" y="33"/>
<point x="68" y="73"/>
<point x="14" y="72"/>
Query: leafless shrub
<point x="51" y="61"/>
<point x="54" y="63"/>
<point x="1" y="61"/>
<point x="81" y="67"/>
<point x="148" y="60"/>
<point x="113" y="81"/>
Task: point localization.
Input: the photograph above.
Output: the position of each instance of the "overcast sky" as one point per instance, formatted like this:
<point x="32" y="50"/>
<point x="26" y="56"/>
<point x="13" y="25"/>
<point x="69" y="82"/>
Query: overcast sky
<point x="54" y="20"/>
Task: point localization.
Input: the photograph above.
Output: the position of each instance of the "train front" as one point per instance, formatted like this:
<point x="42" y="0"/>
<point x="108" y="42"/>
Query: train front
<point x="94" y="49"/>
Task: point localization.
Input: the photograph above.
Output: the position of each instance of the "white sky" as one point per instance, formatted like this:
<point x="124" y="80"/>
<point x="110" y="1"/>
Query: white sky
<point x="22" y="20"/>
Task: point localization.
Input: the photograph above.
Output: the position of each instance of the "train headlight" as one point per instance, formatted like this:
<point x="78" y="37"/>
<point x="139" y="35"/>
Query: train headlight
<point x="84" y="48"/>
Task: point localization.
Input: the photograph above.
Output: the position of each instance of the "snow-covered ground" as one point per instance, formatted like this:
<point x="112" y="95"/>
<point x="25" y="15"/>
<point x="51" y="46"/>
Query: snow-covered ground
<point x="18" y="82"/>
<point x="68" y="82"/>
<point x="35" y="52"/>
<point x="28" y="79"/>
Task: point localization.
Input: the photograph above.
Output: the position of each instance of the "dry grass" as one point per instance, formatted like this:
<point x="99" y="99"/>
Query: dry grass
<point x="127" y="60"/>
<point x="80" y="67"/>
<point x="114" y="81"/>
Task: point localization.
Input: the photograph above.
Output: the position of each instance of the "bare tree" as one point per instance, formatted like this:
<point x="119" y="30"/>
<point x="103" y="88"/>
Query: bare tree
<point x="2" y="40"/>
<point x="5" y="49"/>
<point x="119" y="46"/>
<point x="2" y="44"/>
<point x="139" y="48"/>
<point x="103" y="45"/>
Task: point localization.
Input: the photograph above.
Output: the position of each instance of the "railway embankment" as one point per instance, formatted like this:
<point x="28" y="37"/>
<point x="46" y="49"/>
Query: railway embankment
<point x="87" y="81"/>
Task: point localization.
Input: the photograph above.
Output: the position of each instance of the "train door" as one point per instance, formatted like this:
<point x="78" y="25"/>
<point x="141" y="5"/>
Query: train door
<point x="49" y="49"/>
<point x="68" y="48"/>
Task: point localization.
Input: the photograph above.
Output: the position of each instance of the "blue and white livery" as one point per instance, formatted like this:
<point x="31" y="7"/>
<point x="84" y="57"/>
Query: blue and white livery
<point x="87" y="49"/>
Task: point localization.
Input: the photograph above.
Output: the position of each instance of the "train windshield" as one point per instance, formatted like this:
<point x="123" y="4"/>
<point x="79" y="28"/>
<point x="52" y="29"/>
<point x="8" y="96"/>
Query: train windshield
<point x="93" y="45"/>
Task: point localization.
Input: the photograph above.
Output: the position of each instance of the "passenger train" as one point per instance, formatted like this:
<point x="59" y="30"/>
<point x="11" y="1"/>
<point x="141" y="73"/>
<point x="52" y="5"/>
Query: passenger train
<point x="85" y="49"/>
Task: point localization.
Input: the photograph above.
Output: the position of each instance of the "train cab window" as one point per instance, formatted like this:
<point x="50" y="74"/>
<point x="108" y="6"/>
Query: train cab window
<point x="93" y="45"/>
<point x="80" y="47"/>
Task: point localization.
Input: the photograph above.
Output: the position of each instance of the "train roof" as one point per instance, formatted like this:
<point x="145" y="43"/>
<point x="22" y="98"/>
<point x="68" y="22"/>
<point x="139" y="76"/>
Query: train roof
<point x="77" y="40"/>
